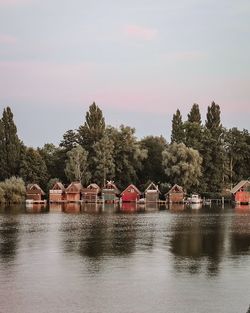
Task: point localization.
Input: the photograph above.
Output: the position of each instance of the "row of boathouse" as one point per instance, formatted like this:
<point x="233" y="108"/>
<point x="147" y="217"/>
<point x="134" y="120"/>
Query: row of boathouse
<point x="75" y="192"/>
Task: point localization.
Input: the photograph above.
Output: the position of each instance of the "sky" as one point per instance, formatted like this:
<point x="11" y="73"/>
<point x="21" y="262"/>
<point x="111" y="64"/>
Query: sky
<point x="139" y="60"/>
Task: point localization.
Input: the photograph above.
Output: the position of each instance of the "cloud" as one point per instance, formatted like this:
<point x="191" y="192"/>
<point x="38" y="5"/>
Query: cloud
<point x="139" y="32"/>
<point x="7" y="39"/>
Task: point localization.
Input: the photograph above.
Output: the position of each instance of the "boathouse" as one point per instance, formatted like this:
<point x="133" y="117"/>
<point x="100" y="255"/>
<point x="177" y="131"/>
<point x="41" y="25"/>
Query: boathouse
<point x="175" y="195"/>
<point x="57" y="192"/>
<point x="110" y="192"/>
<point x="90" y="194"/>
<point x="152" y="193"/>
<point x="73" y="192"/>
<point x="34" y="192"/>
<point x="241" y="192"/>
<point x="131" y="194"/>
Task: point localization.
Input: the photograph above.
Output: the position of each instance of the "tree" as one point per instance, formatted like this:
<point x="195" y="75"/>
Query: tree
<point x="212" y="151"/>
<point x="69" y="140"/>
<point x="128" y="155"/>
<point x="33" y="168"/>
<point x="193" y="129"/>
<point x="182" y="165"/>
<point x="93" y="129"/>
<point x="194" y="116"/>
<point x="104" y="161"/>
<point x="152" y="169"/>
<point x="13" y="189"/>
<point x="177" y="134"/>
<point x="77" y="165"/>
<point x="10" y="145"/>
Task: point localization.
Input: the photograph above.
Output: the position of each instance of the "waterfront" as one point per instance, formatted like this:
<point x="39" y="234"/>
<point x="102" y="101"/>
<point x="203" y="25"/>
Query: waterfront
<point x="102" y="259"/>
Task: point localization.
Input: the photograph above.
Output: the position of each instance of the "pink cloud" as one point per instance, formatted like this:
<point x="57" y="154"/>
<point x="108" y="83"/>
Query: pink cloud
<point x="7" y="39"/>
<point x="139" y="32"/>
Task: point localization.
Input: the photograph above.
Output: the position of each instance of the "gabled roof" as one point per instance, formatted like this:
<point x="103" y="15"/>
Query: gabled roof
<point x="77" y="186"/>
<point x="93" y="186"/>
<point x="32" y="187"/>
<point x="176" y="187"/>
<point x="131" y="186"/>
<point x="58" y="186"/>
<point x="239" y="185"/>
<point x="152" y="187"/>
<point x="110" y="185"/>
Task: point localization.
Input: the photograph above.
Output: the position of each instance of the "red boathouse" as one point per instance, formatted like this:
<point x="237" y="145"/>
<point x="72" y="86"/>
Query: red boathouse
<point x="90" y="194"/>
<point x="34" y="192"/>
<point x="241" y="192"/>
<point x="73" y="192"/>
<point x="175" y="194"/>
<point x="57" y="193"/>
<point x="131" y="194"/>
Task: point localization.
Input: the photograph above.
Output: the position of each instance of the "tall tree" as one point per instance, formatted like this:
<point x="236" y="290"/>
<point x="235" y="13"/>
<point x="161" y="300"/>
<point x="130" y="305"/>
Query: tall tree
<point x="152" y="169"/>
<point x="93" y="128"/>
<point x="33" y="168"/>
<point x="177" y="134"/>
<point x="213" y="151"/>
<point x="77" y="165"/>
<point x="3" y="157"/>
<point x="104" y="161"/>
<point x="11" y="144"/>
<point x="128" y="154"/>
<point x="194" y="115"/>
<point x="193" y="129"/>
<point x="182" y="165"/>
<point x="69" y="140"/>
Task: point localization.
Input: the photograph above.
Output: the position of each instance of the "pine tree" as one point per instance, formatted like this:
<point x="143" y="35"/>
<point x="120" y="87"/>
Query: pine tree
<point x="213" y="122"/>
<point x="93" y="128"/>
<point x="10" y="144"/>
<point x="177" y="134"/>
<point x="194" y="116"/>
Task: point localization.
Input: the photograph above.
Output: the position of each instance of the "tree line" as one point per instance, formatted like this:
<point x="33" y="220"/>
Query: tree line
<point x="202" y="157"/>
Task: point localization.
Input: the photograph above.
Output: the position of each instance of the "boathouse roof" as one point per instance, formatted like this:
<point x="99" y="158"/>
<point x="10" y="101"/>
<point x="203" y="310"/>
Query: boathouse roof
<point x="58" y="186"/>
<point x="132" y="186"/>
<point x="175" y="188"/>
<point x="152" y="188"/>
<point x="240" y="185"/>
<point x="35" y="187"/>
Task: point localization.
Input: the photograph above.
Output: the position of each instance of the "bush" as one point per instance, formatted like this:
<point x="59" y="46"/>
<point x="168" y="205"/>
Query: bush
<point x="13" y="190"/>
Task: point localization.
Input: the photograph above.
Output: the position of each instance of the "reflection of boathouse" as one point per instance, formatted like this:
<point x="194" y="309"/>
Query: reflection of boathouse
<point x="90" y="194"/>
<point x="57" y="192"/>
<point x="131" y="194"/>
<point x="110" y="192"/>
<point x="241" y="192"/>
<point x="73" y="192"/>
<point x="175" y="194"/>
<point x="34" y="192"/>
<point x="152" y="193"/>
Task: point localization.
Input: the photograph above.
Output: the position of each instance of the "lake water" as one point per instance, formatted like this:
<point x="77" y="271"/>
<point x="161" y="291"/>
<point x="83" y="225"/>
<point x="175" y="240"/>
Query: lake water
<point x="96" y="259"/>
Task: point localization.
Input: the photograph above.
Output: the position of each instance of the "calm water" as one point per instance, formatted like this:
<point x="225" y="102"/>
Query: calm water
<point x="104" y="260"/>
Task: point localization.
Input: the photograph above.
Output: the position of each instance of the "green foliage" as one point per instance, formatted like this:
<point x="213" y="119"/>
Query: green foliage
<point x="213" y="122"/>
<point x="93" y="129"/>
<point x="69" y="140"/>
<point x="177" y="134"/>
<point x="182" y="165"/>
<point x="10" y="145"/>
<point x="151" y="169"/>
<point x="104" y="161"/>
<point x="13" y="189"/>
<point x="194" y="116"/>
<point x="33" y="168"/>
<point x="77" y="165"/>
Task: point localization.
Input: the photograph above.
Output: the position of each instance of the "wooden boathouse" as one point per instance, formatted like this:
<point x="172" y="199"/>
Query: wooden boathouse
<point x="152" y="193"/>
<point x="57" y="193"/>
<point x="73" y="192"/>
<point x="241" y="192"/>
<point x="131" y="194"/>
<point x="90" y="194"/>
<point x="175" y="195"/>
<point x="110" y="192"/>
<point x="34" y="192"/>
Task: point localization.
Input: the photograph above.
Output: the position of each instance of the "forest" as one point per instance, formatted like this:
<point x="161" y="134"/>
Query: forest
<point x="202" y="157"/>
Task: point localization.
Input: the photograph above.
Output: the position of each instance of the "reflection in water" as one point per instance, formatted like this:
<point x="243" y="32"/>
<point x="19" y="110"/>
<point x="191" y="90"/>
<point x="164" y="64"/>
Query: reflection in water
<point x="9" y="228"/>
<point x="36" y="208"/>
<point x="71" y="207"/>
<point x="55" y="207"/>
<point x="176" y="207"/>
<point x="199" y="239"/>
<point x="240" y="235"/>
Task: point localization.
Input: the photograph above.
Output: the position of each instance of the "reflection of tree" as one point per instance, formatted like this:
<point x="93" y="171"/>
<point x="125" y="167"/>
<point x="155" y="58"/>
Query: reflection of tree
<point x="8" y="238"/>
<point x="240" y="236"/>
<point x="198" y="241"/>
